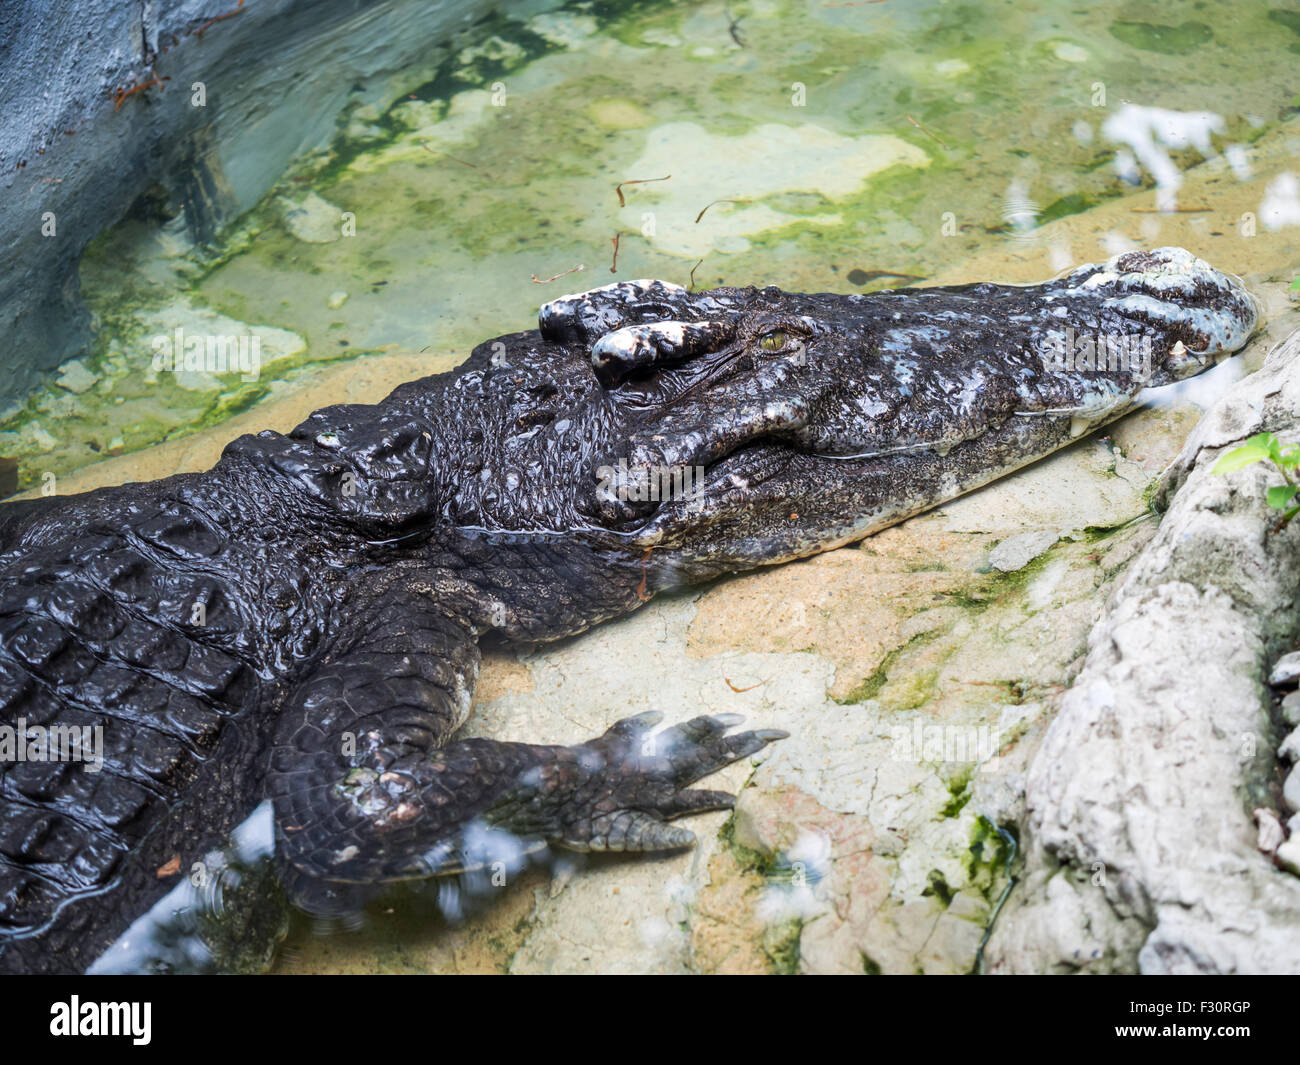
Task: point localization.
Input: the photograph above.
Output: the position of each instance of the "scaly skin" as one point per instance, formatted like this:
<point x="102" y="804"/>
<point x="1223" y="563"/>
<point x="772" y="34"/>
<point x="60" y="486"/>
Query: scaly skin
<point x="302" y="621"/>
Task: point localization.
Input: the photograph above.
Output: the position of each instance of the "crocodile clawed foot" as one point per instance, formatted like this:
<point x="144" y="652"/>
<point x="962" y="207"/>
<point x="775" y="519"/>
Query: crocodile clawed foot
<point x="620" y="791"/>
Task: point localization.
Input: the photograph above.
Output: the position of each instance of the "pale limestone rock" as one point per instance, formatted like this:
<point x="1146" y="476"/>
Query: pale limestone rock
<point x="1286" y="670"/>
<point x="1016" y="552"/>
<point x="952" y="944"/>
<point x="1291" y="790"/>
<point x="1290" y="749"/>
<point x="1291" y="708"/>
<point x="1271" y="833"/>
<point x="1138" y="793"/>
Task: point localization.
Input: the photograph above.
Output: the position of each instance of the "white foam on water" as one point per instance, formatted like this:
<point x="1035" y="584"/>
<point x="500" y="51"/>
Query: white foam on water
<point x="1281" y="204"/>
<point x="1150" y="132"/>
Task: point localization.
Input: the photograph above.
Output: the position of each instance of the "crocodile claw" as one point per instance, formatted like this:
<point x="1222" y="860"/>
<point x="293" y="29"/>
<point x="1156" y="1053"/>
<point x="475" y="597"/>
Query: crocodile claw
<point x="619" y="791"/>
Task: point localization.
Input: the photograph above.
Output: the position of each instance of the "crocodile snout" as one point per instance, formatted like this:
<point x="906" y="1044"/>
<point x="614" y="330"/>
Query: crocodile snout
<point x="1205" y="313"/>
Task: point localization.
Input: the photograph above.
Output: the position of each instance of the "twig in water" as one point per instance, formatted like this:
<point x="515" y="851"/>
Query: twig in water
<point x="544" y="280"/>
<point x="708" y="205"/>
<point x="635" y="181"/>
<point x="926" y="131"/>
<point x="733" y="28"/>
<point x="425" y="146"/>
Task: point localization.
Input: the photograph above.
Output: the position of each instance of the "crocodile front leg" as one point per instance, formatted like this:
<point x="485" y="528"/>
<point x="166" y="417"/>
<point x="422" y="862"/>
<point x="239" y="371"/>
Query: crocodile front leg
<point x="368" y="790"/>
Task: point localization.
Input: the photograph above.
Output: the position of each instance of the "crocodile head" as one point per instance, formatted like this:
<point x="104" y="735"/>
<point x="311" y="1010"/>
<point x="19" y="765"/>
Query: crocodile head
<point x="714" y="431"/>
<point x="785" y="424"/>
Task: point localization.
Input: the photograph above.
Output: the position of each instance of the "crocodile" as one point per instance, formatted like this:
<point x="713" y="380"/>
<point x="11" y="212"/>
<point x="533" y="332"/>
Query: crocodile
<point x="301" y="623"/>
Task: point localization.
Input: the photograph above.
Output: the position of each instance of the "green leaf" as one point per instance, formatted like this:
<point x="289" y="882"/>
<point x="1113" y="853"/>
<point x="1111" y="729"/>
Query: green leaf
<point x="1280" y="495"/>
<point x="1294" y="286"/>
<point x="1240" y="458"/>
<point x="1267" y="442"/>
<point x="1290" y="457"/>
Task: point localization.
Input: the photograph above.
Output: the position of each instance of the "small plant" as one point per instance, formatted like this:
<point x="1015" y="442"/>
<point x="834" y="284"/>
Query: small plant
<point x="1294" y="286"/>
<point x="1265" y="447"/>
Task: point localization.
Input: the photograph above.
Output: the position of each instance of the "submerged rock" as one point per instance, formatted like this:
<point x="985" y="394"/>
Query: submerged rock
<point x="75" y="377"/>
<point x="313" y="220"/>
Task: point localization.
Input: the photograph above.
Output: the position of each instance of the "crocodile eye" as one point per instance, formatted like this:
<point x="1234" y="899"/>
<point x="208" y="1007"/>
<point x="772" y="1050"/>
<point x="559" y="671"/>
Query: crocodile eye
<point x="772" y="341"/>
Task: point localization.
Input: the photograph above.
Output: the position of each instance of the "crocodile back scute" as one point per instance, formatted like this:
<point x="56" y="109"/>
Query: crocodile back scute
<point x="126" y="631"/>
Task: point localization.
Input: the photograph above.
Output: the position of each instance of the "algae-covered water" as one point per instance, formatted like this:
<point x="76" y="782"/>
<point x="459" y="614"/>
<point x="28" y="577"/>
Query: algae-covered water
<point x="812" y="145"/>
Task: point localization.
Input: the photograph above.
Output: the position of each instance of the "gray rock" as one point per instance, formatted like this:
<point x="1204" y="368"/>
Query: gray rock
<point x="1289" y="855"/>
<point x="1291" y="708"/>
<point x="1291" y="790"/>
<point x="1286" y="671"/>
<point x="1139" y="851"/>
<point x="1271" y="832"/>
<point x="1290" y="749"/>
<point x="1018" y="551"/>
